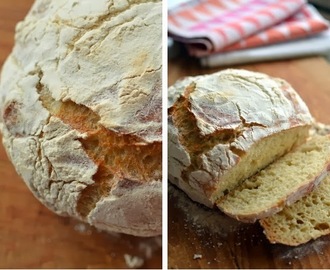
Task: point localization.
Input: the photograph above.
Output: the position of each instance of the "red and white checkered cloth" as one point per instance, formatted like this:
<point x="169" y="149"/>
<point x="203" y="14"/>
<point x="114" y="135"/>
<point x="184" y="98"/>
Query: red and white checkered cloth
<point x="212" y="26"/>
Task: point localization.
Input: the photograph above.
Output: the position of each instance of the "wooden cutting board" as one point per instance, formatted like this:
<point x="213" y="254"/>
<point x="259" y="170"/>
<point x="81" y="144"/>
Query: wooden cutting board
<point x="204" y="238"/>
<point x="33" y="237"/>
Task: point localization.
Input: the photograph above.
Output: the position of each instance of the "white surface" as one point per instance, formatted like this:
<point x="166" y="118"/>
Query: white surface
<point x="173" y="3"/>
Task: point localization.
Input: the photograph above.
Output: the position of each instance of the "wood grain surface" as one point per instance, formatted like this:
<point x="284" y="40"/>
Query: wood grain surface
<point x="204" y="238"/>
<point x="33" y="237"/>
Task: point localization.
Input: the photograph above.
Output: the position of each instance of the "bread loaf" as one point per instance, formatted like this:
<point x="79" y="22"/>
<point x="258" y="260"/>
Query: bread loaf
<point x="80" y="100"/>
<point x="282" y="183"/>
<point x="307" y="219"/>
<point x="225" y="127"/>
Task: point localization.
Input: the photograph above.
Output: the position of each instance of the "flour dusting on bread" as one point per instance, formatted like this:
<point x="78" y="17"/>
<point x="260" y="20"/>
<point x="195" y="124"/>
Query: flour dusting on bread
<point x="80" y="100"/>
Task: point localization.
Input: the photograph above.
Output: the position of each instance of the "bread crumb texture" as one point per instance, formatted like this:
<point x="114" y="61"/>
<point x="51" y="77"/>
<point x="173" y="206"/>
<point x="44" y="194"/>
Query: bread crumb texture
<point x="307" y="219"/>
<point x="281" y="183"/>
<point x="80" y="100"/>
<point x="226" y="126"/>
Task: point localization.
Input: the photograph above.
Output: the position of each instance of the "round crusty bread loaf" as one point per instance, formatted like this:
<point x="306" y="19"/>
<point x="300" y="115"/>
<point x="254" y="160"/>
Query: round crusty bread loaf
<point x="81" y="110"/>
<point x="226" y="126"/>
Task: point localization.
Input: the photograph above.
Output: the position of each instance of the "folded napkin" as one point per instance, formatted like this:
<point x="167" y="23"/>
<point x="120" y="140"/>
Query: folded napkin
<point x="307" y="21"/>
<point x="212" y="26"/>
<point x="315" y="45"/>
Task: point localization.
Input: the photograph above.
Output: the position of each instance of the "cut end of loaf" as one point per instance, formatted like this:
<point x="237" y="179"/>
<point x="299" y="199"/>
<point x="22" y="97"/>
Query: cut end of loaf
<point x="259" y="156"/>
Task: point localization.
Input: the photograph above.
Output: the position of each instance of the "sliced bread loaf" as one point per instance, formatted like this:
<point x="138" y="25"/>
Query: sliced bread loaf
<point x="307" y="219"/>
<point x="225" y="127"/>
<point x="281" y="183"/>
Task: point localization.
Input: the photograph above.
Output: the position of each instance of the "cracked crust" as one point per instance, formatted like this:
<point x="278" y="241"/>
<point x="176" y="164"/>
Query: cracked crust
<point x="80" y="100"/>
<point x="226" y="126"/>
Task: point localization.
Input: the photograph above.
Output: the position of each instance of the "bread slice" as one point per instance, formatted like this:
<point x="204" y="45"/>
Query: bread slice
<point x="307" y="219"/>
<point x="281" y="183"/>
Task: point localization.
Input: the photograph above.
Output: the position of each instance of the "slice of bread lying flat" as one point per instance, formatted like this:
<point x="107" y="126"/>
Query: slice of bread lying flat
<point x="281" y="183"/>
<point x="307" y="219"/>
